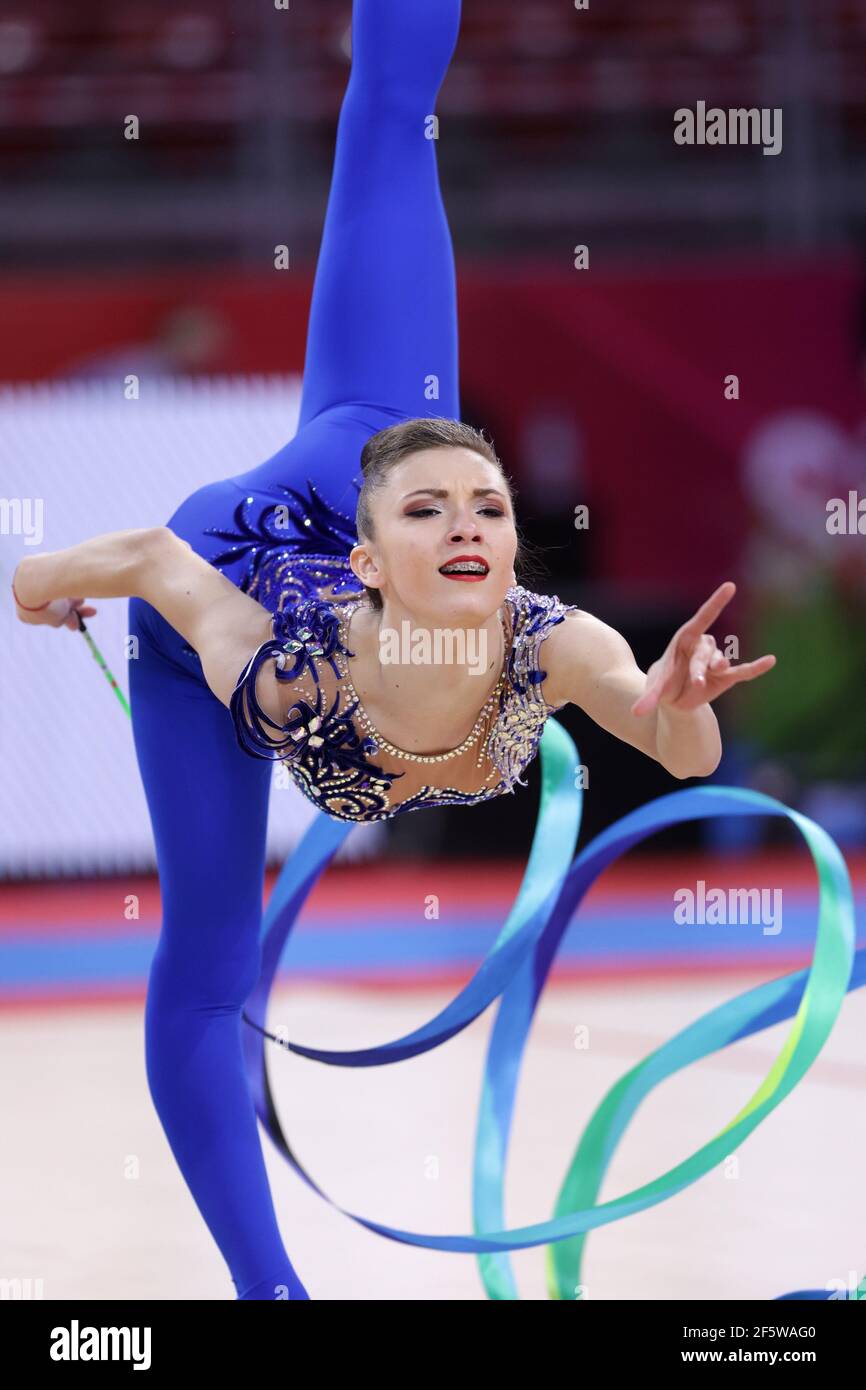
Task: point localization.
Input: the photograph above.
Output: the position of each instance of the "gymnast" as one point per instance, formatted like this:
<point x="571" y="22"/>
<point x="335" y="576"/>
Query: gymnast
<point x="259" y="608"/>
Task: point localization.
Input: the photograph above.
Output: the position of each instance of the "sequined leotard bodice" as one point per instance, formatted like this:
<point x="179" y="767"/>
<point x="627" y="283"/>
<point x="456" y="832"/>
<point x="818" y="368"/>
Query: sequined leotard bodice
<point x="330" y="754"/>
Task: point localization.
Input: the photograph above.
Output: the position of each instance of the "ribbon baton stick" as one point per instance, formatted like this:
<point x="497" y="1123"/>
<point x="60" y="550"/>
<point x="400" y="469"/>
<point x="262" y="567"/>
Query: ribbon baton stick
<point x="100" y="660"/>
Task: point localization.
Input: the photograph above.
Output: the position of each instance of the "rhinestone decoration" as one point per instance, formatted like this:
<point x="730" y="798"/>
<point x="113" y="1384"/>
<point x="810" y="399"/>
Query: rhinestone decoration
<point x="381" y="742"/>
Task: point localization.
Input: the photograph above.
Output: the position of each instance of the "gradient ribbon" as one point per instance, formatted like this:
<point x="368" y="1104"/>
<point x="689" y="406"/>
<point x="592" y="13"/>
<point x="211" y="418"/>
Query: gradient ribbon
<point x="515" y="970"/>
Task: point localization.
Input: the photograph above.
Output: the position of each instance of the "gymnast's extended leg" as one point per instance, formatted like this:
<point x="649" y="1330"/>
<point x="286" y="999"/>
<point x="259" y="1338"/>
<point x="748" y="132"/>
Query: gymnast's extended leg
<point x="383" y="322"/>
<point x="382" y="343"/>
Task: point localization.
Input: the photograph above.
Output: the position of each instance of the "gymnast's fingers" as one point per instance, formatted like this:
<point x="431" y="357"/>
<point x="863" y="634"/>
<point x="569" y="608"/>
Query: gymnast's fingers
<point x="709" y="611"/>
<point x="748" y="671"/>
<point x="700" y="659"/>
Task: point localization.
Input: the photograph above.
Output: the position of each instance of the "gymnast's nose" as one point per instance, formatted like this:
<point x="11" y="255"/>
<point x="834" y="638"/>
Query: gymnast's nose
<point x="466" y="528"/>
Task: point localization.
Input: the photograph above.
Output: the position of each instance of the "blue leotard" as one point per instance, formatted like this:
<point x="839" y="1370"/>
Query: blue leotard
<point x="383" y="325"/>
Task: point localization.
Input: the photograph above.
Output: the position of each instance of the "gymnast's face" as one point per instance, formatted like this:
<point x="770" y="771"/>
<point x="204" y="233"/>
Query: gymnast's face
<point x="433" y="507"/>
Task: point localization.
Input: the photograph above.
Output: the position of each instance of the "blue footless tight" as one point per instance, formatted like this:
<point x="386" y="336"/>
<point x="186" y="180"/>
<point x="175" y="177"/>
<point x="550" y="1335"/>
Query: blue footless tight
<point x="382" y="324"/>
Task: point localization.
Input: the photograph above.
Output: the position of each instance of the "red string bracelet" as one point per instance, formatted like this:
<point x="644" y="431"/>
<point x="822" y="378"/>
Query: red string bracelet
<point x="25" y="606"/>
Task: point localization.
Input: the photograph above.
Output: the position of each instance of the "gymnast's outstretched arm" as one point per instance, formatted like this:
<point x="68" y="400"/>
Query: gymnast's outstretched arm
<point x="664" y="712"/>
<point x="222" y="624"/>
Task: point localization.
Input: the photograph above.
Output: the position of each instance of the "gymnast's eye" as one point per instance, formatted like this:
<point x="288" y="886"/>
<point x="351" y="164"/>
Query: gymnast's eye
<point x="427" y="511"/>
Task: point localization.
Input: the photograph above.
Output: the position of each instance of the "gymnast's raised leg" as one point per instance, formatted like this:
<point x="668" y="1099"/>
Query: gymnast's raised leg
<point x="382" y="326"/>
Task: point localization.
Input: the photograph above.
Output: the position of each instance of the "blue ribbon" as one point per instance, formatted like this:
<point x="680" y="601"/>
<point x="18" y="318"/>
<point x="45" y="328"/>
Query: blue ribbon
<point x="515" y="971"/>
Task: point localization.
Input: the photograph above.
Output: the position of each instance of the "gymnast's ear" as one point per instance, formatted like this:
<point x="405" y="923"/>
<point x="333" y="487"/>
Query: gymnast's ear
<point x="364" y="566"/>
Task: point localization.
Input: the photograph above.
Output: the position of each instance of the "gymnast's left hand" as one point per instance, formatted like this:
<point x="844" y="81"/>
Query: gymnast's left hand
<point x="693" y="671"/>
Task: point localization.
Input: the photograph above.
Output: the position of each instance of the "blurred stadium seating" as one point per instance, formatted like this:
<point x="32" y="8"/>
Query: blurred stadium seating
<point x="237" y="128"/>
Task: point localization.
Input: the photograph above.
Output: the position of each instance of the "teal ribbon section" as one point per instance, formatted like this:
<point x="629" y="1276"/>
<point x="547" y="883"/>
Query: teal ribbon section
<point x="514" y="971"/>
